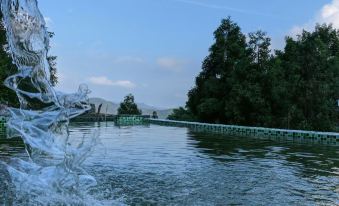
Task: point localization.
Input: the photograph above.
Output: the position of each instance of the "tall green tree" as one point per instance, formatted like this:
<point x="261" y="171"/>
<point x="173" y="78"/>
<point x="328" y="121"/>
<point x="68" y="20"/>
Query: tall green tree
<point x="245" y="83"/>
<point x="128" y="106"/>
<point x="207" y="100"/>
<point x="181" y="114"/>
<point x="246" y="99"/>
<point x="52" y="65"/>
<point x="311" y="66"/>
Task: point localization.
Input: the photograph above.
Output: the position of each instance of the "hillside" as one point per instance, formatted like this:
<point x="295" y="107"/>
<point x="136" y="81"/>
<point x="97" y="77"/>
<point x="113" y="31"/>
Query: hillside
<point x="112" y="108"/>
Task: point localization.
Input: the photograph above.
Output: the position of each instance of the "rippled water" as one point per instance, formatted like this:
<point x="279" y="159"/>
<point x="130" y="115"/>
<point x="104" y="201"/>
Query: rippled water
<point x="155" y="165"/>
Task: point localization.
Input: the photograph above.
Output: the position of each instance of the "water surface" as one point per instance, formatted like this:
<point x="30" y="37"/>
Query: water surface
<point x="155" y="165"/>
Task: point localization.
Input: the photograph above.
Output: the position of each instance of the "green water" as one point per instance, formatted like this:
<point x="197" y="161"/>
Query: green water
<point x="155" y="165"/>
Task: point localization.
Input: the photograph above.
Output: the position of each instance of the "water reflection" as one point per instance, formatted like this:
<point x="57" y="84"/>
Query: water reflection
<point x="11" y="147"/>
<point x="317" y="165"/>
<point x="154" y="165"/>
<point x="318" y="157"/>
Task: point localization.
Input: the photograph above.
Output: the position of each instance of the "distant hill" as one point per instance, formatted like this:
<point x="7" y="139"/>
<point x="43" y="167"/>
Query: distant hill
<point x="164" y="113"/>
<point x="145" y="106"/>
<point x="112" y="108"/>
<point x="107" y="106"/>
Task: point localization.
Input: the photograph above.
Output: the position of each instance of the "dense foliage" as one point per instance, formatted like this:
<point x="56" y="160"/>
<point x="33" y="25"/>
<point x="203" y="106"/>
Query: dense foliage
<point x="128" y="107"/>
<point x="242" y="82"/>
<point x="7" y="68"/>
<point x="181" y="114"/>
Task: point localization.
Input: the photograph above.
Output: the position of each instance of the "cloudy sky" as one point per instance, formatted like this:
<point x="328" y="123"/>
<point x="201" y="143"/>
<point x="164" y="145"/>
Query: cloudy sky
<point x="154" y="48"/>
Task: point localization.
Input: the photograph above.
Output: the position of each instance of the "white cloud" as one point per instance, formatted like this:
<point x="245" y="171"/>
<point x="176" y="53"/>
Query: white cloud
<point x="171" y="64"/>
<point x="125" y="84"/>
<point x="101" y="81"/>
<point x="296" y="30"/>
<point x="328" y="14"/>
<point x="104" y="81"/>
<point x="128" y="59"/>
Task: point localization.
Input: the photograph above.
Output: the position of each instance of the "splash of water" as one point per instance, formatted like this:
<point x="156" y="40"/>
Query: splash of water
<point x="53" y="173"/>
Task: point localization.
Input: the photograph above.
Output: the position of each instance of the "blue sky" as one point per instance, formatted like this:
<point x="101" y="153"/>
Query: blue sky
<point x="154" y="48"/>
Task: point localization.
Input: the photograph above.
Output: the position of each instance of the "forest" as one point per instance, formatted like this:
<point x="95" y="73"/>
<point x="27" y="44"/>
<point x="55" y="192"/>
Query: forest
<point x="244" y="82"/>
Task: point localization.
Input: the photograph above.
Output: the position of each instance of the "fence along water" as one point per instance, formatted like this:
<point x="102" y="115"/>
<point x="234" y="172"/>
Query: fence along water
<point x="259" y="132"/>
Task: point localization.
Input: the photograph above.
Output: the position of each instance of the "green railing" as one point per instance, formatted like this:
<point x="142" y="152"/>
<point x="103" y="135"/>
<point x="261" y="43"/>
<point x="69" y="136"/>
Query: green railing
<point x="94" y="118"/>
<point x="260" y="132"/>
<point x="129" y="120"/>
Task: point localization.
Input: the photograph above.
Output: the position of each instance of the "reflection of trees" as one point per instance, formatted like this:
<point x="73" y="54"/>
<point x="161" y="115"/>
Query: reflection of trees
<point x="315" y="159"/>
<point x="217" y="145"/>
<point x="11" y="147"/>
<point x="319" y="159"/>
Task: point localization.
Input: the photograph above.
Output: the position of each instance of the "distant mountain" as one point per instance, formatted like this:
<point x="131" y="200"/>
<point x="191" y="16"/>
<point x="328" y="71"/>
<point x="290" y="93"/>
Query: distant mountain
<point x="109" y="107"/>
<point x="145" y="106"/>
<point x="164" y="113"/>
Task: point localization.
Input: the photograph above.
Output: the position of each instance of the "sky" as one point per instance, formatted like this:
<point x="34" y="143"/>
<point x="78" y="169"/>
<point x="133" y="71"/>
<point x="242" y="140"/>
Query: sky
<point x="154" y="48"/>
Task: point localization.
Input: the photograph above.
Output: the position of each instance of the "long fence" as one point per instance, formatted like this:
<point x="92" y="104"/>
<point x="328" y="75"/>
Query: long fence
<point x="242" y="131"/>
<point x="129" y="120"/>
<point x="321" y="137"/>
<point x="94" y="118"/>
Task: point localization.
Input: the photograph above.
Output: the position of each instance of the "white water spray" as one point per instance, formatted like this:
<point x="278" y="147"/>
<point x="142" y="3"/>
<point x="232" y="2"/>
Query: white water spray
<point x="53" y="173"/>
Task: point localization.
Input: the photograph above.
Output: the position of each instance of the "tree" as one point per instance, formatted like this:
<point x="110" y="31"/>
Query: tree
<point x="311" y="67"/>
<point x="52" y="65"/>
<point x="181" y="114"/>
<point x="7" y="68"/>
<point x="244" y="83"/>
<point x="250" y="88"/>
<point x="215" y="81"/>
<point x="128" y="106"/>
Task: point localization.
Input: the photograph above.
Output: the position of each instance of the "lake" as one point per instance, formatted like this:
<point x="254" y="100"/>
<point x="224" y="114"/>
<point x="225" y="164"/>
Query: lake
<point x="156" y="165"/>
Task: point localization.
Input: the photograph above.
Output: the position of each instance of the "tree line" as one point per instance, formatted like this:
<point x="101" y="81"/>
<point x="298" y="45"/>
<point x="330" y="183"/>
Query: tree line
<point x="243" y="82"/>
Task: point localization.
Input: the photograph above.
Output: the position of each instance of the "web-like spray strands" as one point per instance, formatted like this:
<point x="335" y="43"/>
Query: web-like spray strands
<point x="53" y="172"/>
